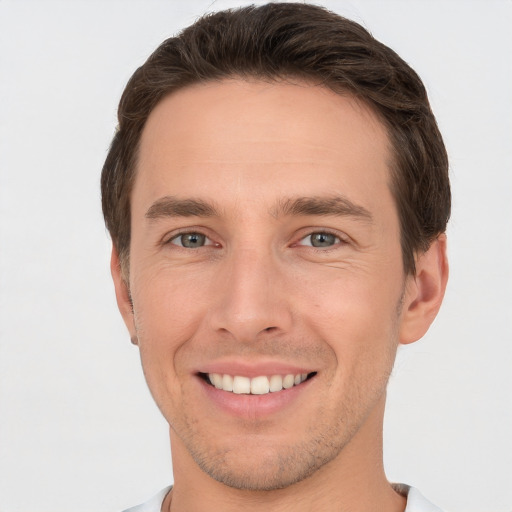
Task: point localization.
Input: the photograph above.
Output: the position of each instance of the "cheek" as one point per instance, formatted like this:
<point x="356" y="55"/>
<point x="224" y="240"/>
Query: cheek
<point x="354" y="312"/>
<point x="167" y="313"/>
<point x="167" y="299"/>
<point x="360" y="325"/>
<point x="169" y="307"/>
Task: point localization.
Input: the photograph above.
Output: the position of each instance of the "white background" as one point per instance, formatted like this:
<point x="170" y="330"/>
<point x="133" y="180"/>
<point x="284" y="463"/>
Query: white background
<point x="78" y="429"/>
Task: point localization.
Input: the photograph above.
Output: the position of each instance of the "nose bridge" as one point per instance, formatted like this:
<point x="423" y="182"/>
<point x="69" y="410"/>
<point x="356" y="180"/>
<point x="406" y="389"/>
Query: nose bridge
<point x="251" y="299"/>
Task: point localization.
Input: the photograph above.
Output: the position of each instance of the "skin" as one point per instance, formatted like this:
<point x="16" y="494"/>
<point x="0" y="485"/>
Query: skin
<point x="258" y="293"/>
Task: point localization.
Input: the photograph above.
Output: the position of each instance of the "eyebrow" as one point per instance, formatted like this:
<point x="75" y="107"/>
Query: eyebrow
<point x="170" y="206"/>
<point x="319" y="205"/>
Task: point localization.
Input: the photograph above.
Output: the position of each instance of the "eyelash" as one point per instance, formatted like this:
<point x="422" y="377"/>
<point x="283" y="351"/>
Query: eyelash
<point x="188" y="232"/>
<point x="340" y="240"/>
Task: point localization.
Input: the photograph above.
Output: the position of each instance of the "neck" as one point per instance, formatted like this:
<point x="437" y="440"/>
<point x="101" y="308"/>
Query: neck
<point x="354" y="480"/>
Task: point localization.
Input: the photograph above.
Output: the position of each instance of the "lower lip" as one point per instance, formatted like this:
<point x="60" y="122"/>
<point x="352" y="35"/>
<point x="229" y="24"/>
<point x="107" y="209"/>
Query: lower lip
<point x="253" y="406"/>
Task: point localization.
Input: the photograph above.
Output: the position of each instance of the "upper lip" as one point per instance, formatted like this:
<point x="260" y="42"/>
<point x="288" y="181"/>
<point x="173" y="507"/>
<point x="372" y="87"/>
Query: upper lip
<point x="252" y="369"/>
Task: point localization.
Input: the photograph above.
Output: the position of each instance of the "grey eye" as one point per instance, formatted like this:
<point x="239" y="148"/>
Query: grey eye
<point x="322" y="239"/>
<point x="190" y="240"/>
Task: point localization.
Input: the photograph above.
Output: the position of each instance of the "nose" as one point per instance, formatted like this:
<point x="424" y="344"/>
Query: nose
<point x="252" y="300"/>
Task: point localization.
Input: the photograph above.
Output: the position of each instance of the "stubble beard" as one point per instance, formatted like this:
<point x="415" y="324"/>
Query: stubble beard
<point x="267" y="468"/>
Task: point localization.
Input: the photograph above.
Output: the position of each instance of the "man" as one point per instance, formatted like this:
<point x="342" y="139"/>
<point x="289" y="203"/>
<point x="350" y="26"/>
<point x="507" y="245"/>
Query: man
<point x="277" y="195"/>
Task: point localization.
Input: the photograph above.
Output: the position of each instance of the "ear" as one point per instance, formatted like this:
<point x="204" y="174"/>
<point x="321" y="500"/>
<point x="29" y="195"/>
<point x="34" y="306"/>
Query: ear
<point x="424" y="292"/>
<point x="124" y="301"/>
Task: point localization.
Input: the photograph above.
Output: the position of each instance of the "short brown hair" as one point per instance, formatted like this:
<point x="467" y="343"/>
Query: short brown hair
<point x="300" y="41"/>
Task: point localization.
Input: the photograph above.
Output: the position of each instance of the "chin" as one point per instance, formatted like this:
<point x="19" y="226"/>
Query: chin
<point x="254" y="468"/>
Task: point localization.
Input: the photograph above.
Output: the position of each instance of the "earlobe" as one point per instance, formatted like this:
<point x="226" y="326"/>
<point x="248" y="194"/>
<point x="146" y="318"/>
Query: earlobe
<point x="124" y="301"/>
<point x="424" y="292"/>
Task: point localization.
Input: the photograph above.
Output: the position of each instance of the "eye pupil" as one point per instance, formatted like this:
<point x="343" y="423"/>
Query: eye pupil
<point x="322" y="239"/>
<point x="192" y="240"/>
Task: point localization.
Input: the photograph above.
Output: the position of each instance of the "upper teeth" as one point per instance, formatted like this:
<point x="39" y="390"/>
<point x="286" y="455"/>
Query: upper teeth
<point x="256" y="386"/>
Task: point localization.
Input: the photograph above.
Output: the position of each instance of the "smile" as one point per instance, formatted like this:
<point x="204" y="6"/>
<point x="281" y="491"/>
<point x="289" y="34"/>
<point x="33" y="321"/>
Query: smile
<point x="261" y="385"/>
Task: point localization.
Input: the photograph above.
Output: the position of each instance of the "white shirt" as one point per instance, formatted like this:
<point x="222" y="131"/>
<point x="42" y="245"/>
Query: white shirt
<point x="416" y="502"/>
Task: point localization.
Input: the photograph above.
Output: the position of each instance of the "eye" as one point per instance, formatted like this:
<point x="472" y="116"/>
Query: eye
<point x="190" y="240"/>
<point x="320" y="240"/>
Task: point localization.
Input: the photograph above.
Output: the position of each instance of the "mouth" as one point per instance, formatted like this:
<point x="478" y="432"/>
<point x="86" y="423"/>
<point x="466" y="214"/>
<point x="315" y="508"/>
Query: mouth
<point x="260" y="385"/>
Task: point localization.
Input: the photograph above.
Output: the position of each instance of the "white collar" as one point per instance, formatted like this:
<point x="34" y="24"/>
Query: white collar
<point x="416" y="502"/>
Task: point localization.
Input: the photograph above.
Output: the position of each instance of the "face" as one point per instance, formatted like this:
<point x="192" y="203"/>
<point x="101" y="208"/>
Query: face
<point x="266" y="276"/>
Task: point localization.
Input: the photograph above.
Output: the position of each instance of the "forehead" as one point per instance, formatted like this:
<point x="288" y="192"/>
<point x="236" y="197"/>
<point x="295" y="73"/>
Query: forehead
<point x="238" y="139"/>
